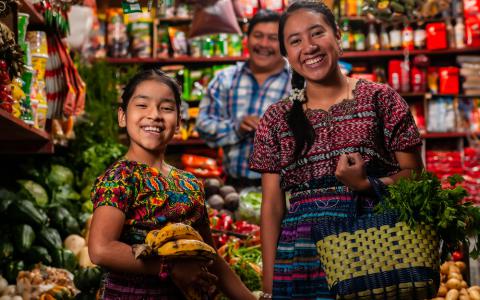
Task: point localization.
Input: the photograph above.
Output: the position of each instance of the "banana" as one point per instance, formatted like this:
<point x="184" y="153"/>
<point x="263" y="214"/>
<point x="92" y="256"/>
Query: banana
<point x="187" y="247"/>
<point x="173" y="231"/>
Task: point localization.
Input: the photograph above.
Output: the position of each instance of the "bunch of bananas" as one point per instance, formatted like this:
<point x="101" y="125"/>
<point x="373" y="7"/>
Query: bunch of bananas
<point x="176" y="240"/>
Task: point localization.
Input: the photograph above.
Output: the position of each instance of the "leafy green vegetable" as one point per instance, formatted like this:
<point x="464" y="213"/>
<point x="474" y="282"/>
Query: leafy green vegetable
<point x="423" y="200"/>
<point x="59" y="176"/>
<point x="34" y="191"/>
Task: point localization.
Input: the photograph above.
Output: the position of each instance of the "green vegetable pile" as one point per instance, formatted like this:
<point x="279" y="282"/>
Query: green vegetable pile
<point x="423" y="200"/>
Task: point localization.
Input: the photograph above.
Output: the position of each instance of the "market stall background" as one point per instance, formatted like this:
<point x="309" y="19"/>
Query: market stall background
<point x="58" y="117"/>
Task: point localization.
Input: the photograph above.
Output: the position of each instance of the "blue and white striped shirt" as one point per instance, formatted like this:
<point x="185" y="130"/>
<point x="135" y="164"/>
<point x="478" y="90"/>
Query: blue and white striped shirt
<point x="231" y="95"/>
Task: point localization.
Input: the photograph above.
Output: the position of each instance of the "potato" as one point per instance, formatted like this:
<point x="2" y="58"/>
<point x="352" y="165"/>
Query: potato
<point x="464" y="297"/>
<point x="463" y="284"/>
<point x="474" y="294"/>
<point x="445" y="266"/>
<point x="463" y="291"/>
<point x="453" y="284"/>
<point x="475" y="287"/>
<point x="453" y="269"/>
<point x="442" y="291"/>
<point x="461" y="265"/>
<point x="455" y="275"/>
<point x="452" y="295"/>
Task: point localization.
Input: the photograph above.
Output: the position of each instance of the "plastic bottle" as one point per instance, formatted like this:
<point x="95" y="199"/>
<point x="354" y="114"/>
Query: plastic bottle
<point x="419" y="37"/>
<point x="459" y="33"/>
<point x="395" y="38"/>
<point x="346" y="39"/>
<point x="407" y="37"/>
<point x="450" y="35"/>
<point x="384" y="39"/>
<point x="373" y="42"/>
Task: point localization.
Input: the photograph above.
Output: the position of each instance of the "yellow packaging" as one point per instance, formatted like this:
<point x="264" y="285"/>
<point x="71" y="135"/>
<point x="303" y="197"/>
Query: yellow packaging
<point x="38" y="42"/>
<point x="42" y="111"/>
<point x="39" y="64"/>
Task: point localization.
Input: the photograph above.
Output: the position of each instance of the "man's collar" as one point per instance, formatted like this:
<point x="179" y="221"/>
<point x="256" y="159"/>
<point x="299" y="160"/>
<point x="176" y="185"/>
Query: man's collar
<point x="245" y="66"/>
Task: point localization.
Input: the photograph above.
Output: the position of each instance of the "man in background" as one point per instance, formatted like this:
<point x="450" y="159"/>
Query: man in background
<point x="239" y="95"/>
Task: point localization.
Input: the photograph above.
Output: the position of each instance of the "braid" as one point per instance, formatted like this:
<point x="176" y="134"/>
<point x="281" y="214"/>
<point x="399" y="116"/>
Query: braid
<point x="302" y="130"/>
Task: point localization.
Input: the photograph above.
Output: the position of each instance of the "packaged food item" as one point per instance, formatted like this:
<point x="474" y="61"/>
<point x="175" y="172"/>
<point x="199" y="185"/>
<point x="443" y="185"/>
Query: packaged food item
<point x="432" y="79"/>
<point x="139" y="27"/>
<point x="419" y="37"/>
<point x="407" y="38"/>
<point x="117" y="37"/>
<point x="459" y="33"/>
<point x="449" y="80"/>
<point x="38" y="43"/>
<point x="373" y="41"/>
<point x="472" y="31"/>
<point x="22" y="24"/>
<point x="131" y="6"/>
<point x="217" y="18"/>
<point x="359" y="41"/>
<point x="178" y="40"/>
<point x="162" y="42"/>
<point x="436" y="36"/>
<point x="395" y="36"/>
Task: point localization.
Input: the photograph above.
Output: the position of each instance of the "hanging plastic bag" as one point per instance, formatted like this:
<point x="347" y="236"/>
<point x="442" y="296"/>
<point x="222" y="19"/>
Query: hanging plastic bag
<point x="217" y="18"/>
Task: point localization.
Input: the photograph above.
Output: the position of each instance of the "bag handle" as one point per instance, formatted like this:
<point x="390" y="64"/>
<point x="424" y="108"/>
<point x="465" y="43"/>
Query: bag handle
<point x="379" y="188"/>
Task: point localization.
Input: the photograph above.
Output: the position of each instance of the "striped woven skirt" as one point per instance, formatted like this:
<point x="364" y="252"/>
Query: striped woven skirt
<point x="298" y="273"/>
<point x="137" y="287"/>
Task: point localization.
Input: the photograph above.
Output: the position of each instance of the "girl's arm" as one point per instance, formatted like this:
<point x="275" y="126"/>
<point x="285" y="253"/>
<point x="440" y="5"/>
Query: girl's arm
<point x="106" y="250"/>
<point x="272" y="212"/>
<point x="228" y="281"/>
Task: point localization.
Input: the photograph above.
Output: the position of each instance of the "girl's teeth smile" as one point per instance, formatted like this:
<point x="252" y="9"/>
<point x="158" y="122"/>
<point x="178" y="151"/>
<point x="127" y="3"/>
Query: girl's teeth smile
<point x="152" y="129"/>
<point x="315" y="60"/>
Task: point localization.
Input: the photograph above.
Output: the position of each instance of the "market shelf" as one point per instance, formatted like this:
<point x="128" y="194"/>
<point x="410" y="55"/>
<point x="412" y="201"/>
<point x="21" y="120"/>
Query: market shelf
<point x="189" y="142"/>
<point x="18" y="137"/>
<point x="36" y="19"/>
<point x="396" y="53"/>
<point x="178" y="60"/>
<point x="442" y="135"/>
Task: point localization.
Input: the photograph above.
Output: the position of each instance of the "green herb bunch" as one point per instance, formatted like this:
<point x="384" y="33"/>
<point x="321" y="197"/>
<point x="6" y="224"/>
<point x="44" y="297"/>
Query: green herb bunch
<point x="423" y="200"/>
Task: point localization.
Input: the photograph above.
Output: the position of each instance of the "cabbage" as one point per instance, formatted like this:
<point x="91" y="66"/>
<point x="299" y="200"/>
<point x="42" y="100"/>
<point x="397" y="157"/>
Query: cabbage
<point x="249" y="207"/>
<point x="34" y="191"/>
<point x="59" y="175"/>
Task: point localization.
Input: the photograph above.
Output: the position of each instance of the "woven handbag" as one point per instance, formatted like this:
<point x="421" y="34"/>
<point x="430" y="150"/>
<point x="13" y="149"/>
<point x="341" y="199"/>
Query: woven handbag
<point x="377" y="257"/>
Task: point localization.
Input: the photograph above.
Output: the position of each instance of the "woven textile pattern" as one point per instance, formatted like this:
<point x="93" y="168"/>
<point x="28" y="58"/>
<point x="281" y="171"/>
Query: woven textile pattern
<point x="375" y="123"/>
<point x="375" y="256"/>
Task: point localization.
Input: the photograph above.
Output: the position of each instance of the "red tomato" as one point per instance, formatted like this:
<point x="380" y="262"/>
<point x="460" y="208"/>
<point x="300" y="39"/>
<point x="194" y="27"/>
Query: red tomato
<point x="457" y="255"/>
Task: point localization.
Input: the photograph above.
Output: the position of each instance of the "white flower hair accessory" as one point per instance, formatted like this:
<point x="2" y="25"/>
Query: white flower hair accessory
<point x="297" y="95"/>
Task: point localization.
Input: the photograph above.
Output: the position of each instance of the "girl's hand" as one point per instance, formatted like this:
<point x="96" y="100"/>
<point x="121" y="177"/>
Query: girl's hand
<point x="190" y="273"/>
<point x="351" y="172"/>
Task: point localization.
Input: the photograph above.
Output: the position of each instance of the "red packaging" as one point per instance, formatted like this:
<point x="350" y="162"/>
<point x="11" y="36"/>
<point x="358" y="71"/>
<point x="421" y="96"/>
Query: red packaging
<point x="471" y="8"/>
<point x="398" y="75"/>
<point x="472" y="31"/>
<point x="367" y="76"/>
<point x="418" y="79"/>
<point x="436" y="36"/>
<point x="449" y="81"/>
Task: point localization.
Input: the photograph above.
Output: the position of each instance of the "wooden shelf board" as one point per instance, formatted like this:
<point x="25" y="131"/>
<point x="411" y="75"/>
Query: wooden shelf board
<point x="36" y="19"/>
<point x="394" y="53"/>
<point x="177" y="60"/>
<point x="14" y="129"/>
<point x="440" y="135"/>
<point x="20" y="138"/>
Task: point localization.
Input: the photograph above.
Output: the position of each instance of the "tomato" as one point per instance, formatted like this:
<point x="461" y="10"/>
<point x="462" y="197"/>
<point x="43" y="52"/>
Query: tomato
<point x="457" y="255"/>
<point x="3" y="65"/>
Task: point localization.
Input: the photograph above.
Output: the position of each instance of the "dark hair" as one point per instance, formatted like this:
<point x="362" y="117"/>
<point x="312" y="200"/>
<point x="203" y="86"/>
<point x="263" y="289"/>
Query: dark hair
<point x="262" y="16"/>
<point x="151" y="74"/>
<point x="302" y="129"/>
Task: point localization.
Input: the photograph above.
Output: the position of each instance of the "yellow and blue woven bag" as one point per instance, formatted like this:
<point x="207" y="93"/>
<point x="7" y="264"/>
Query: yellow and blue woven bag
<point x="377" y="257"/>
